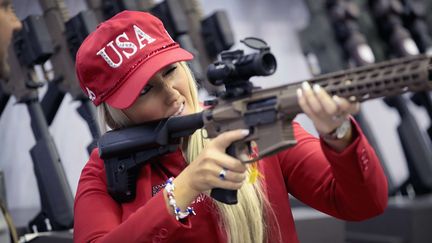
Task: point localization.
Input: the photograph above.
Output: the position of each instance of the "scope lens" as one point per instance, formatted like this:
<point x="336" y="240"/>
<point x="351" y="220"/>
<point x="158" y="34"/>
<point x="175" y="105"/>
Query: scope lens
<point x="269" y="63"/>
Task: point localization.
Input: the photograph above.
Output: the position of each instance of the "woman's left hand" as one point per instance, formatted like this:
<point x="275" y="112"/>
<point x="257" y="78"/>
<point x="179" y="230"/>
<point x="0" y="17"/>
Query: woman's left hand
<point x="327" y="113"/>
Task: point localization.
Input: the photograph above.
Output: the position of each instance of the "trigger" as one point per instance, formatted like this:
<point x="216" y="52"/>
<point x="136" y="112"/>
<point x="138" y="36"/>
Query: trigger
<point x="249" y="148"/>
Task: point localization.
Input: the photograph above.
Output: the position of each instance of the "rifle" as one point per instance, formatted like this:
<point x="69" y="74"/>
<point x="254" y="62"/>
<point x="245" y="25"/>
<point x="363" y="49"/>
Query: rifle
<point x="323" y="55"/>
<point x="174" y="17"/>
<point x="341" y="18"/>
<point x="414" y="18"/>
<point x="267" y="113"/>
<point x="105" y="9"/>
<point x="113" y="7"/>
<point x="4" y="98"/>
<point x="65" y="80"/>
<point x="210" y="36"/>
<point x="32" y="45"/>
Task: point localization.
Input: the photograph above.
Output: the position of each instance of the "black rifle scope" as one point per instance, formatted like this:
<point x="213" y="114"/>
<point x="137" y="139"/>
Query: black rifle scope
<point x="235" y="65"/>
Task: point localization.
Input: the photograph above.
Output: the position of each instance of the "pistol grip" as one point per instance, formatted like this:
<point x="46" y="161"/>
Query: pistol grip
<point x="224" y="195"/>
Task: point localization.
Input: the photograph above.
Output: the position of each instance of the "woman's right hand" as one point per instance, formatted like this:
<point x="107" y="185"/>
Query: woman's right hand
<point x="202" y="174"/>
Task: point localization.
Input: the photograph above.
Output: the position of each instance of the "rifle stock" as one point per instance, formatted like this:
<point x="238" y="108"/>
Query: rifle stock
<point x="55" y="193"/>
<point x="125" y="150"/>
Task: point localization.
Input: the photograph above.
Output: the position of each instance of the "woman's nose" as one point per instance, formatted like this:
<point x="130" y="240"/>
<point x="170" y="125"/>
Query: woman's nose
<point x="172" y="94"/>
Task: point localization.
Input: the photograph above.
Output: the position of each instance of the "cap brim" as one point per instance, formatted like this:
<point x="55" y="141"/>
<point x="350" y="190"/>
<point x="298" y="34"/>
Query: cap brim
<point x="129" y="91"/>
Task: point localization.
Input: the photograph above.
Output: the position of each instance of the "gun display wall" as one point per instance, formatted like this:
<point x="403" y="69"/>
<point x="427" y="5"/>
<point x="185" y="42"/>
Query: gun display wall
<point x="344" y="47"/>
<point x="391" y="29"/>
<point x="55" y="193"/>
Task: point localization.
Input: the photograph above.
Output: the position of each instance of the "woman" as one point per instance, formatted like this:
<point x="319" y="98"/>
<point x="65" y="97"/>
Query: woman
<point x="134" y="72"/>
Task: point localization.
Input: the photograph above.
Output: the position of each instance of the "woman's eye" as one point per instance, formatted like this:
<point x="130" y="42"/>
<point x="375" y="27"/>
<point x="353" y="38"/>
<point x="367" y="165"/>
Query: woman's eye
<point x="169" y="71"/>
<point x="146" y="89"/>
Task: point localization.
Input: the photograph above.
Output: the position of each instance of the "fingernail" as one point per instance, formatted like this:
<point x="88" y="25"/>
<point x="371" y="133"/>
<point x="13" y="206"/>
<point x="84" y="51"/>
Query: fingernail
<point x="336" y="99"/>
<point x="299" y="93"/>
<point x="245" y="132"/>
<point x="306" y="86"/>
<point x="316" y="88"/>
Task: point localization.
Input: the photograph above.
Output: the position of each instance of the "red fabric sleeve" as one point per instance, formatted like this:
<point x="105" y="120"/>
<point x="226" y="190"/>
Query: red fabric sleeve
<point x="349" y="185"/>
<point x="98" y="216"/>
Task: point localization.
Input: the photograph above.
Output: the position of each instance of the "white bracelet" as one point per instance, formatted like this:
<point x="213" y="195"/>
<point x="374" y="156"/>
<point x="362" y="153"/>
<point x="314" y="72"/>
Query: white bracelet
<point x="169" y="188"/>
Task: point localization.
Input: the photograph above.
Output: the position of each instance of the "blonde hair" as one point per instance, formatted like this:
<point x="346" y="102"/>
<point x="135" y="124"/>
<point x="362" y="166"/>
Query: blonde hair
<point x="244" y="221"/>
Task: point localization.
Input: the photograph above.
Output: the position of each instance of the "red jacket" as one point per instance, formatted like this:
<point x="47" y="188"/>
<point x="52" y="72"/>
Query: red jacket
<point x="349" y="185"/>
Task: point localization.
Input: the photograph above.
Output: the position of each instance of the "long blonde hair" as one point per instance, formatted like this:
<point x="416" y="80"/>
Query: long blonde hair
<point x="244" y="221"/>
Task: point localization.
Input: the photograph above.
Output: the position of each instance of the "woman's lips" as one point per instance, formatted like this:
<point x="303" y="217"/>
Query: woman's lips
<point x="180" y="110"/>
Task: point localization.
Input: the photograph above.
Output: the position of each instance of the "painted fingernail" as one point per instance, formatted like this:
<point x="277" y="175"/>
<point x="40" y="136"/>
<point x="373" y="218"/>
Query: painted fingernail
<point x="336" y="99"/>
<point x="245" y="132"/>
<point x="316" y="88"/>
<point x="299" y="93"/>
<point x="306" y="86"/>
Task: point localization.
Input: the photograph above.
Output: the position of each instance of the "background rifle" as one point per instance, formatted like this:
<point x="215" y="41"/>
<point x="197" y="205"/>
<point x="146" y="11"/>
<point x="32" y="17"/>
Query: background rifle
<point x="346" y="48"/>
<point x="65" y="80"/>
<point x="4" y="96"/>
<point x="31" y="46"/>
<point x="417" y="149"/>
<point x="175" y="20"/>
<point x="414" y="19"/>
<point x="113" y="7"/>
<point x="96" y="7"/>
<point x="267" y="113"/>
<point x="210" y="36"/>
<point x="145" y="5"/>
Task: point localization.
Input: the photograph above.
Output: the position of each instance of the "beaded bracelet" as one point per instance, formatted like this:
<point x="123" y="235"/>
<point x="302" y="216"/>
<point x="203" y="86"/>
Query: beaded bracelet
<point x="169" y="188"/>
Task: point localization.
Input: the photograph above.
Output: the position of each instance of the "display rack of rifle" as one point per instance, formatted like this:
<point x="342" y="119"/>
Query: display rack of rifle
<point x="56" y="197"/>
<point x="395" y="29"/>
<point x="355" y="50"/>
<point x="341" y="18"/>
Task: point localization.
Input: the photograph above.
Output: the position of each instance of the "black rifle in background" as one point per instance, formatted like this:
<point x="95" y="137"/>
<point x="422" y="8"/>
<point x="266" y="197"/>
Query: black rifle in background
<point x="31" y="46"/>
<point x="347" y="47"/>
<point x="109" y="8"/>
<point x="96" y="7"/>
<point x="4" y="98"/>
<point x="414" y="19"/>
<point x="416" y="145"/>
<point x="323" y="55"/>
<point x="174" y="18"/>
<point x="210" y="35"/>
<point x="65" y="80"/>
<point x="343" y="15"/>
<point x="105" y="9"/>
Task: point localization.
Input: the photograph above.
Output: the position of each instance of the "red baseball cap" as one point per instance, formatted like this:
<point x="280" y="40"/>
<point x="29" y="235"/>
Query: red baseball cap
<point x="116" y="61"/>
